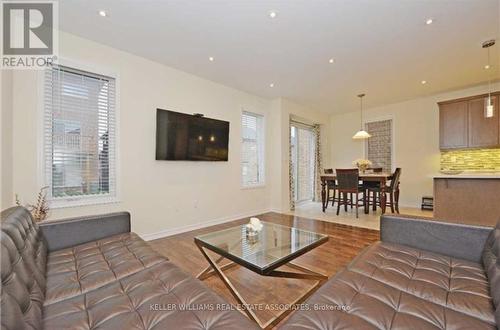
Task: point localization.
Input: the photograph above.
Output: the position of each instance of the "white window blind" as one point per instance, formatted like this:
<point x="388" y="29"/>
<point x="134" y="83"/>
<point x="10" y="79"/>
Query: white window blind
<point x="252" y="149"/>
<point x="79" y="135"/>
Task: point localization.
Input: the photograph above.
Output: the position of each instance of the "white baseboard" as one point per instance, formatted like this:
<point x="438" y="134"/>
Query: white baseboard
<point x="183" y="229"/>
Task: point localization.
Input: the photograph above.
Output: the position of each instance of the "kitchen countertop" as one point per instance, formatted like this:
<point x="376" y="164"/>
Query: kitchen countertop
<point x="465" y="175"/>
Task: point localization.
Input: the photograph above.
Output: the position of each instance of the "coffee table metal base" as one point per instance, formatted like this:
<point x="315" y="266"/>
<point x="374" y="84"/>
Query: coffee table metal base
<point x="304" y="273"/>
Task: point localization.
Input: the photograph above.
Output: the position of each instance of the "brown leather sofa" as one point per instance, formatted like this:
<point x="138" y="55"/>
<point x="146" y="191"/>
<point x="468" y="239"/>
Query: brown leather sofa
<point x="423" y="274"/>
<point x="93" y="273"/>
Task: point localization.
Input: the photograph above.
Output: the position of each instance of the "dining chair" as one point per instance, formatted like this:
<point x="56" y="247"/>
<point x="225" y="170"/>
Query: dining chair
<point x="331" y="185"/>
<point x="392" y="189"/>
<point x="348" y="183"/>
<point x="372" y="184"/>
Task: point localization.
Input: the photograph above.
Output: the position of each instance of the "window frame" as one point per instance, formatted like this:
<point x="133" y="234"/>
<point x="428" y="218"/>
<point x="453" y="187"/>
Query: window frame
<point x="43" y="178"/>
<point x="261" y="151"/>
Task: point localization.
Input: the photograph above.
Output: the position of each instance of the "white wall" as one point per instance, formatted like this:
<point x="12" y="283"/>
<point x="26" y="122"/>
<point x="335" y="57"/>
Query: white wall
<point x="160" y="195"/>
<point x="416" y="135"/>
<point x="6" y="192"/>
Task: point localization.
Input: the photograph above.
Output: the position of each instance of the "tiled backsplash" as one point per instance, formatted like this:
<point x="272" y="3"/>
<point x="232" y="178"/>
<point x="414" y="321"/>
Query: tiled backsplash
<point x="472" y="160"/>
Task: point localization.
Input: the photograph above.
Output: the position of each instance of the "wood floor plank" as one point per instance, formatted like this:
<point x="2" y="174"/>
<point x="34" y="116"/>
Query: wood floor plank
<point x="344" y="243"/>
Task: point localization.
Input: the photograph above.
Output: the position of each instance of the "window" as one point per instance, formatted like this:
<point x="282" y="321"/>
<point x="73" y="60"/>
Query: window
<point x="379" y="146"/>
<point x="79" y="136"/>
<point x="252" y="149"/>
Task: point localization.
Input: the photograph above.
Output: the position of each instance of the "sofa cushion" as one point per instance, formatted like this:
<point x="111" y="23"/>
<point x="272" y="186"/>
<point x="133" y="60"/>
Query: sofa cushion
<point x="86" y="267"/>
<point x="391" y="286"/>
<point x="490" y="260"/>
<point x="23" y="258"/>
<point x="159" y="297"/>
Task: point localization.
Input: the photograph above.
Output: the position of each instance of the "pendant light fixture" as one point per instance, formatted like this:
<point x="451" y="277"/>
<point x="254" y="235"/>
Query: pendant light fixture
<point x="489" y="110"/>
<point x="361" y="134"/>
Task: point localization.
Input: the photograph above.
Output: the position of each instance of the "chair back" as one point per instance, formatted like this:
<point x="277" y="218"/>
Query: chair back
<point x="395" y="179"/>
<point x="347" y="179"/>
<point x="328" y="170"/>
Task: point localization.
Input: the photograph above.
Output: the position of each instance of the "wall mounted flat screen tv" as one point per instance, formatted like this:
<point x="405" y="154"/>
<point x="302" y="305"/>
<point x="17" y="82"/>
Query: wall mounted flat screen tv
<point x="180" y="136"/>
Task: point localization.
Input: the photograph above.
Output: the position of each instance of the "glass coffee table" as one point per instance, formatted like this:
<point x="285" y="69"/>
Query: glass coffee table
<point x="275" y="246"/>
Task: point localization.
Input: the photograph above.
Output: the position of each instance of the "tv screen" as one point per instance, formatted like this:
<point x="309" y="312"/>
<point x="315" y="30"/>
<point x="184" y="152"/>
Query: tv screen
<point x="180" y="136"/>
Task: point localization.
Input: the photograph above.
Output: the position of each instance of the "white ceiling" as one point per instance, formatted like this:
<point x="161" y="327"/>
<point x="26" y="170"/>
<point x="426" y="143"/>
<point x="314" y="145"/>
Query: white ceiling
<point x="381" y="47"/>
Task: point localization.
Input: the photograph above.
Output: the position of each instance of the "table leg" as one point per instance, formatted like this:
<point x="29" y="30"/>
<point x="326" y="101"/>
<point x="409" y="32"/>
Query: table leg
<point x="366" y="199"/>
<point x="304" y="273"/>
<point x="366" y="204"/>
<point x="230" y="287"/>
<point x="383" y="197"/>
<point x="204" y="273"/>
<point x="324" y="200"/>
<point x="208" y="272"/>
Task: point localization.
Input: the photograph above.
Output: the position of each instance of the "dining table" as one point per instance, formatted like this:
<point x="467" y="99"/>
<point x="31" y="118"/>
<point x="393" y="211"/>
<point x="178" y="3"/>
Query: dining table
<point x="381" y="178"/>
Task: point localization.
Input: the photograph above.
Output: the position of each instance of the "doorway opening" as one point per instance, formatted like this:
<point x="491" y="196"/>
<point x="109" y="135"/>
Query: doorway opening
<point x="303" y="160"/>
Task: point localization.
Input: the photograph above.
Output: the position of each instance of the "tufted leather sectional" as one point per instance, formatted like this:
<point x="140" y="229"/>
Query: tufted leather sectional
<point x="112" y="280"/>
<point x="424" y="274"/>
<point x="91" y="273"/>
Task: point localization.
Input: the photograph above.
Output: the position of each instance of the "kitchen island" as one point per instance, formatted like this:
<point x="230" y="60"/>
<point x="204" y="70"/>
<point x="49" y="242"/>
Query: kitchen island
<point x="472" y="198"/>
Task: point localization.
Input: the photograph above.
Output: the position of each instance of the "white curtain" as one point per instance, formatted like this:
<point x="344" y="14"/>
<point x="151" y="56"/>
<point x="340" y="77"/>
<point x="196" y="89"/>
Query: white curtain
<point x="318" y="167"/>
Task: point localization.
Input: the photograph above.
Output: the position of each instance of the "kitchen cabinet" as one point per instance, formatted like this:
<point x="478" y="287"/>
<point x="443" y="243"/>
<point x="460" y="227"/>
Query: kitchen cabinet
<point x="462" y="123"/>
<point x="453" y="125"/>
<point x="469" y="199"/>
<point x="483" y="132"/>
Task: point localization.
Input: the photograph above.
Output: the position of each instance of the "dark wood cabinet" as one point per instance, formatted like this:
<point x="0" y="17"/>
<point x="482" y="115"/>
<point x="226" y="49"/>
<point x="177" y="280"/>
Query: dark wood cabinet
<point x="463" y="124"/>
<point x="453" y="125"/>
<point x="483" y="132"/>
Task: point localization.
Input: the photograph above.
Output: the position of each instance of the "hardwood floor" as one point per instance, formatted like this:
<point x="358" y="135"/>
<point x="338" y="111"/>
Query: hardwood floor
<point x="344" y="244"/>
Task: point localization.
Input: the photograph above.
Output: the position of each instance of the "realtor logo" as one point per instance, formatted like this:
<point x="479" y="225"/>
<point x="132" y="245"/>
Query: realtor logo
<point x="29" y="35"/>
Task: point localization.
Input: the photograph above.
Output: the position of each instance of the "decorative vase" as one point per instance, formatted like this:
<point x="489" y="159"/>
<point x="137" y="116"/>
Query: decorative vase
<point x="362" y="168"/>
<point x="252" y="236"/>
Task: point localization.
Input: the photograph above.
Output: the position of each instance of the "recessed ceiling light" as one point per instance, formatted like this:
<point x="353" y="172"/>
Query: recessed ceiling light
<point x="331" y="60"/>
<point x="423" y="82"/>
<point x="211" y="59"/>
<point x="487" y="66"/>
<point x="271" y="85"/>
<point x="273" y="14"/>
<point x="103" y="13"/>
<point x="429" y="21"/>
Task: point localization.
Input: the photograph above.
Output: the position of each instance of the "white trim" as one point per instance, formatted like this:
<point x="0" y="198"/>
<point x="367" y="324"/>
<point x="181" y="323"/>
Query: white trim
<point x="393" y="136"/>
<point x="61" y="203"/>
<point x="41" y="177"/>
<point x="183" y="229"/>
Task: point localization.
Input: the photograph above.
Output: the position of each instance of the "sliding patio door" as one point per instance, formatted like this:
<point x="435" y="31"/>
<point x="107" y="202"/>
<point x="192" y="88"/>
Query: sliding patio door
<point x="303" y="158"/>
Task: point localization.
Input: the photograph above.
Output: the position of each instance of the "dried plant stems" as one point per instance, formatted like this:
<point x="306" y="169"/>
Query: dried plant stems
<point x="40" y="209"/>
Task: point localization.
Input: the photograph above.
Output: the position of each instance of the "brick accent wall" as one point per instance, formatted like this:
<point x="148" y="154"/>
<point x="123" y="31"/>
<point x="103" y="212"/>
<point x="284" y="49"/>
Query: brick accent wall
<point x="379" y="146"/>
